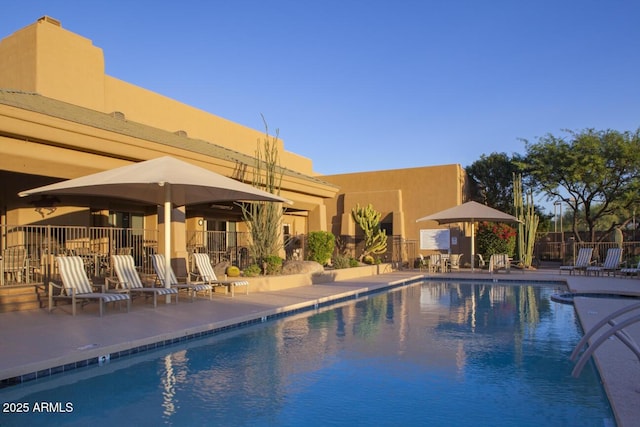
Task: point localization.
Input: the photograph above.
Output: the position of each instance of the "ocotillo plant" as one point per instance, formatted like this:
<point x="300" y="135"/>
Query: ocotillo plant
<point x="375" y="239"/>
<point x="264" y="218"/>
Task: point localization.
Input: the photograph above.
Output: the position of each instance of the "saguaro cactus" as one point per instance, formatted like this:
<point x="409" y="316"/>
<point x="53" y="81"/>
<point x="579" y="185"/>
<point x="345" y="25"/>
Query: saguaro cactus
<point x="375" y="239"/>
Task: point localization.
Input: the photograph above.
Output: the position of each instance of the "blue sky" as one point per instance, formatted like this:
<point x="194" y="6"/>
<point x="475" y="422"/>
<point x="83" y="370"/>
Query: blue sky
<point x="360" y="85"/>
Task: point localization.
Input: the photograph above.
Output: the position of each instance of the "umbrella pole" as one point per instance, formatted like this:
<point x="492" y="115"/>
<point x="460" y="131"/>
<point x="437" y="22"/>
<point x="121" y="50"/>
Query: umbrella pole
<point x="167" y="237"/>
<point x="473" y="245"/>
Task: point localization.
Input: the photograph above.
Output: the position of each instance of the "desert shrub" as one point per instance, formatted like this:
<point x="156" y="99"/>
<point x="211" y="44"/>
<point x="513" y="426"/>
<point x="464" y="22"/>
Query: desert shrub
<point x="320" y="245"/>
<point x="273" y="264"/>
<point x="252" y="270"/>
<point x="353" y="262"/>
<point x="369" y="260"/>
<point x="340" y="261"/>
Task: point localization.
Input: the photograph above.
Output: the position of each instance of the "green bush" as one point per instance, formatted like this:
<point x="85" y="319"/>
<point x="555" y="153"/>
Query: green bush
<point x="493" y="238"/>
<point x="252" y="270"/>
<point x="353" y="262"/>
<point x="320" y="245"/>
<point x="274" y="264"/>
<point x="369" y="260"/>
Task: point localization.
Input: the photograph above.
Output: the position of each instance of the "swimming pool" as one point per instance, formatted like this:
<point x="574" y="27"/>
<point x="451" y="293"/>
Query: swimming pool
<point x="437" y="353"/>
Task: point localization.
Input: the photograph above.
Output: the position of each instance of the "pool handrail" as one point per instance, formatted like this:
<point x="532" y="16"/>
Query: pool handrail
<point x="617" y="330"/>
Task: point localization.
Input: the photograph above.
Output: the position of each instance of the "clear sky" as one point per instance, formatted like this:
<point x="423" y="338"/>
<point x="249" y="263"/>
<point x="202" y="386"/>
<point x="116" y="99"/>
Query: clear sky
<point x="363" y="85"/>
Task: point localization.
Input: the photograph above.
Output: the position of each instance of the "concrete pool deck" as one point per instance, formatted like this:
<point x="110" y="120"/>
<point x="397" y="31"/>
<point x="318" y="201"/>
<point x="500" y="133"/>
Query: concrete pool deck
<point x="35" y="343"/>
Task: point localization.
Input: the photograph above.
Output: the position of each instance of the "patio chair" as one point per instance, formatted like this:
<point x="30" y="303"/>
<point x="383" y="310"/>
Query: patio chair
<point x="16" y="264"/>
<point x="77" y="287"/>
<point x="127" y="277"/>
<point x="422" y="262"/>
<point x="611" y="263"/>
<point x="435" y="263"/>
<point x="454" y="261"/>
<point x="481" y="262"/>
<point x="158" y="262"/>
<point x="206" y="273"/>
<point x="499" y="262"/>
<point x="582" y="261"/>
<point x="630" y="271"/>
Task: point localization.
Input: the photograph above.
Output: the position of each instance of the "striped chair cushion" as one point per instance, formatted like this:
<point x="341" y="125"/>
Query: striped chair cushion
<point x="125" y="269"/>
<point x="113" y="297"/>
<point x="205" y="269"/>
<point x="159" y="267"/>
<point x="73" y="275"/>
<point x="239" y="283"/>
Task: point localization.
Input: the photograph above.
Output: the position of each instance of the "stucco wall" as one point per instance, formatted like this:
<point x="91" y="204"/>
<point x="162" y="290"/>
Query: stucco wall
<point x="407" y="194"/>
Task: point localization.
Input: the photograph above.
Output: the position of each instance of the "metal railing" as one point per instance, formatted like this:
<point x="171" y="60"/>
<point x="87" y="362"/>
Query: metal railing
<point x="551" y="248"/>
<point x="29" y="251"/>
<point x="221" y="246"/>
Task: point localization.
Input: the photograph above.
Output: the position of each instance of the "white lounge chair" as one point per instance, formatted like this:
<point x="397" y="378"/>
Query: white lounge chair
<point x="77" y="287"/>
<point x="582" y="261"/>
<point x="611" y="263"/>
<point x="630" y="271"/>
<point x="192" y="288"/>
<point x="499" y="262"/>
<point x="206" y="274"/>
<point x="127" y="277"/>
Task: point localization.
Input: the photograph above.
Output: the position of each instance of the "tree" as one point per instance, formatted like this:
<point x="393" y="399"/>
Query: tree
<point x="492" y="180"/>
<point x="594" y="172"/>
<point x="264" y="218"/>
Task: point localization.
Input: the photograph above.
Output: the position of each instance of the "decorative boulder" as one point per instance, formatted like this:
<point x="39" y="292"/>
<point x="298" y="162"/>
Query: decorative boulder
<point x="299" y="267"/>
<point x="221" y="269"/>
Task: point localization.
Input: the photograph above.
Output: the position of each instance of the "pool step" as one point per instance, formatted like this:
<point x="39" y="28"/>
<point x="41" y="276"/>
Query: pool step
<point x="22" y="297"/>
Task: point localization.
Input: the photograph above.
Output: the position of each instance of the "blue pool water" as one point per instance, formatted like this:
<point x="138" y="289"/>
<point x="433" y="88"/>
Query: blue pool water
<point x="437" y="354"/>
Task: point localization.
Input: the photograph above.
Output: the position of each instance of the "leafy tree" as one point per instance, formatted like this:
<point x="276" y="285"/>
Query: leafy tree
<point x="594" y="172"/>
<point x="492" y="180"/>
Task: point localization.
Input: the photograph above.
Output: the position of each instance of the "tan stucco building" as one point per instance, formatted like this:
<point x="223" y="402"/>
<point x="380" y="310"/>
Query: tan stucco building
<point x="62" y="117"/>
<point x="402" y="196"/>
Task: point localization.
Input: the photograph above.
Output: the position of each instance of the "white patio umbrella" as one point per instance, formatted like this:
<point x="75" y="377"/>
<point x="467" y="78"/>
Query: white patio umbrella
<point x="470" y="212"/>
<point x="162" y="181"/>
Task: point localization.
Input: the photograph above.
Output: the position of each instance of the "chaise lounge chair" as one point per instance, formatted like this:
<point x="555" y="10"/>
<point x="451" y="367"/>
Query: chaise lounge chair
<point x="611" y="263"/>
<point x="630" y="271"/>
<point x="127" y="277"/>
<point x="206" y="273"/>
<point x="77" y="287"/>
<point x="582" y="261"/>
<point x="192" y="288"/>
